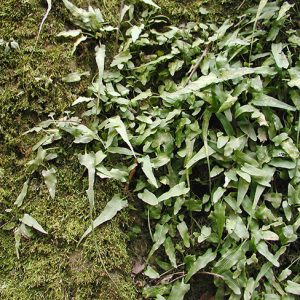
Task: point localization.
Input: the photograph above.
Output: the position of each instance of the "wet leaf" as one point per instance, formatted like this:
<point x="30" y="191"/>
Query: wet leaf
<point x="156" y="291"/>
<point x="268" y="101"/>
<point x="82" y="99"/>
<point x="240" y="228"/>
<point x="70" y="33"/>
<point x="125" y="9"/>
<point x="17" y="235"/>
<point x="217" y="195"/>
<point x="268" y="235"/>
<point x="229" y="259"/>
<point x="205" y="233"/>
<point x="284" y="274"/>
<point x="219" y="215"/>
<point x="135" y="32"/>
<point x="201" y="154"/>
<point x="100" y="59"/>
<point x="175" y="66"/>
<point x="274" y="198"/>
<point x="243" y="186"/>
<point x="88" y="160"/>
<point x="90" y="19"/>
<point x="74" y="77"/>
<point x="229" y="102"/>
<point x="295" y="77"/>
<point x="283" y="10"/>
<point x="121" y="58"/>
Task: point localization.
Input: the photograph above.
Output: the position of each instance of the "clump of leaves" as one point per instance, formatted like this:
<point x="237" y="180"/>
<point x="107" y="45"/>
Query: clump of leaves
<point x="9" y="45"/>
<point x="203" y="122"/>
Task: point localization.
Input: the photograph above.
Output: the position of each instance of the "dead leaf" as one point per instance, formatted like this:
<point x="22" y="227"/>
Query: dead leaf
<point x="138" y="267"/>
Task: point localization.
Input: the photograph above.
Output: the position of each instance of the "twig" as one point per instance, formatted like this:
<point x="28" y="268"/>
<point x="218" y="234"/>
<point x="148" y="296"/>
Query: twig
<point x="198" y="63"/>
<point x="241" y="5"/>
<point x="168" y="271"/>
<point x="130" y="178"/>
<point x="177" y="278"/>
<point x="149" y="225"/>
<point x="213" y="274"/>
<point x="169" y="277"/>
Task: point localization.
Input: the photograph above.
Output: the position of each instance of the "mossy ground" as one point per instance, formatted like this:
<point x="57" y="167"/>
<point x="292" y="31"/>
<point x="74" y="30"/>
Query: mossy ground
<point x="52" y="266"/>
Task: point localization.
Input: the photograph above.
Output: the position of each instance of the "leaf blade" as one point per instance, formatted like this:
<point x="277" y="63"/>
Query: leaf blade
<point x="111" y="209"/>
<point x="32" y="222"/>
<point x="201" y="262"/>
<point x="23" y="194"/>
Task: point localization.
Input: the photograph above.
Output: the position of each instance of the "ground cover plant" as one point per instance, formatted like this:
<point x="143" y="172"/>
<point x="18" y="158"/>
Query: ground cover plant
<point x="201" y="124"/>
<point x="50" y="266"/>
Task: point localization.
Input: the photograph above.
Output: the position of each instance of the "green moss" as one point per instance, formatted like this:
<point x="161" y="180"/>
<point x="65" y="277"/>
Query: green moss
<point x="32" y="76"/>
<point x="188" y="10"/>
<point x="52" y="266"/>
<point x="54" y="272"/>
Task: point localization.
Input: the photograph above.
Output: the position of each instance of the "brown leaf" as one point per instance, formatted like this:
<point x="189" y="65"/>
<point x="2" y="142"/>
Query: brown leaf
<point x="166" y="279"/>
<point x="138" y="267"/>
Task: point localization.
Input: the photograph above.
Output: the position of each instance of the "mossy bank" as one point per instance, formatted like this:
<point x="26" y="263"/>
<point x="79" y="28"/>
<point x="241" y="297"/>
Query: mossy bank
<point x="52" y="266"/>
